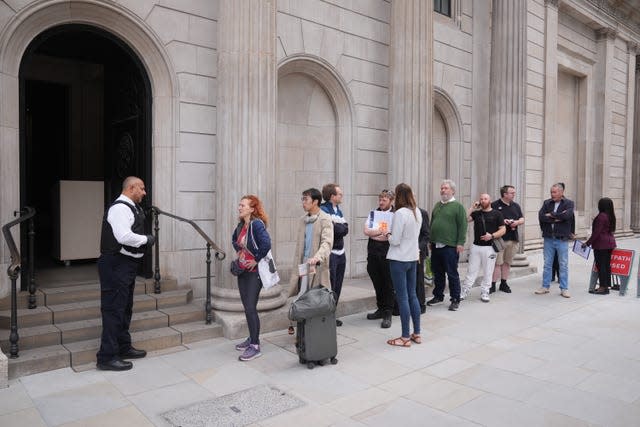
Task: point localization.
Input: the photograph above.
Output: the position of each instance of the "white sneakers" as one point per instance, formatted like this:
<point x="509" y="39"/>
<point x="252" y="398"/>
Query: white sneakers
<point x="484" y="298"/>
<point x="565" y="293"/>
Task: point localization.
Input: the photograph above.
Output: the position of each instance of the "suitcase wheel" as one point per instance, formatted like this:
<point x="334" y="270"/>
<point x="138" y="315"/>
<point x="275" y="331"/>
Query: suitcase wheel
<point x="334" y="361"/>
<point x="320" y="362"/>
<point x="310" y="365"/>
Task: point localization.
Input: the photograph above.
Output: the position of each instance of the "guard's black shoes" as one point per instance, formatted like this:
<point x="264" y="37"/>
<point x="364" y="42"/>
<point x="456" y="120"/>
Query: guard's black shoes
<point x="378" y="314"/>
<point x="133" y="353"/>
<point x="386" y="322"/>
<point x="454" y="305"/>
<point x="114" y="365"/>
<point x="423" y="309"/>
<point x="505" y="288"/>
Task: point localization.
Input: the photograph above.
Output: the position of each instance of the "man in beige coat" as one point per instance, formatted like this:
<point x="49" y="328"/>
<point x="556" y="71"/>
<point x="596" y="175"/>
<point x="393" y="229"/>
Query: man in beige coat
<point x="314" y="241"/>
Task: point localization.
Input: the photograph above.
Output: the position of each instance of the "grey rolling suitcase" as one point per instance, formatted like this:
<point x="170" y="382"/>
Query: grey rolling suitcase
<point x="317" y="340"/>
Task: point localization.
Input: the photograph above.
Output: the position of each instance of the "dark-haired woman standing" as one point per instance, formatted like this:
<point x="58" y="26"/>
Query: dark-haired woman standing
<point x="252" y="243"/>
<point x="603" y="243"/>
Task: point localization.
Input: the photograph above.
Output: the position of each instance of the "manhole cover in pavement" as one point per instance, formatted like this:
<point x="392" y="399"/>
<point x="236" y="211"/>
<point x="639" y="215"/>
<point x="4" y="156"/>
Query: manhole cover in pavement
<point x="236" y="409"/>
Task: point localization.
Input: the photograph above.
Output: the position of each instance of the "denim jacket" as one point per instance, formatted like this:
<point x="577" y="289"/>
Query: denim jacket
<point x="258" y="240"/>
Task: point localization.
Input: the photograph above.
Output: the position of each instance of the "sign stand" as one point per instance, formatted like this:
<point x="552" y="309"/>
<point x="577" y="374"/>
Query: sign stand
<point x="621" y="262"/>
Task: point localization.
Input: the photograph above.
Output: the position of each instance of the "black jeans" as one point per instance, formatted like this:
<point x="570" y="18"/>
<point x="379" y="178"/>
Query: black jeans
<point x="337" y="266"/>
<point x="420" y="282"/>
<point x="603" y="262"/>
<point x="378" y="269"/>
<point x="445" y="260"/>
<point x="117" y="282"/>
<point x="249" y="285"/>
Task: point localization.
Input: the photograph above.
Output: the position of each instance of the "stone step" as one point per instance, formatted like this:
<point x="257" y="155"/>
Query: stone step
<point x="22" y="298"/>
<point x="198" y="331"/>
<point x="40" y="315"/>
<point x="173" y="298"/>
<point x="31" y="337"/>
<point x="40" y="359"/>
<point x="84" y="310"/>
<point x="192" y="312"/>
<point x="83" y="352"/>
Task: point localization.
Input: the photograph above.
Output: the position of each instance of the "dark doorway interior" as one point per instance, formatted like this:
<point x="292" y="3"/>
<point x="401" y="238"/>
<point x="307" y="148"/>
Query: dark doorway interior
<point x="85" y="116"/>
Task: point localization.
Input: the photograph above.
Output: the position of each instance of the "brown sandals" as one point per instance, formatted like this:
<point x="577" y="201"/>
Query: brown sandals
<point x="416" y="338"/>
<point x="400" y="342"/>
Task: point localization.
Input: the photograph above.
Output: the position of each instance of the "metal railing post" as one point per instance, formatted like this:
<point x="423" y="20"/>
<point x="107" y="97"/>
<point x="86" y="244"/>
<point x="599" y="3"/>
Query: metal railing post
<point x="156" y="274"/>
<point x="207" y="307"/>
<point x="32" y="280"/>
<point x="13" y="335"/>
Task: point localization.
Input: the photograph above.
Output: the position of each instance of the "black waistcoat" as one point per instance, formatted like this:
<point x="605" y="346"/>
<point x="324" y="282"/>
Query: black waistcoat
<point x="108" y="242"/>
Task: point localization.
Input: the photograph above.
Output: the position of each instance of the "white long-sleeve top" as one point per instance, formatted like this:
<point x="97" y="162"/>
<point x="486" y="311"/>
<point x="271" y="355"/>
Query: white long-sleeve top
<point x="403" y="240"/>
<point x="121" y="219"/>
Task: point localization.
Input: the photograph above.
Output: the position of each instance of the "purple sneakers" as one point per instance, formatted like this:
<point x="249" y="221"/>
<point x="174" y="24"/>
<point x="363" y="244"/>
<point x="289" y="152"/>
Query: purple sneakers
<point x="252" y="352"/>
<point x="243" y="345"/>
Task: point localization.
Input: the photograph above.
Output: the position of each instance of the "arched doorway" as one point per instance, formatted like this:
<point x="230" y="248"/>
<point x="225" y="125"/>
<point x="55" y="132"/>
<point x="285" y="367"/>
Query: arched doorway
<point x="85" y="118"/>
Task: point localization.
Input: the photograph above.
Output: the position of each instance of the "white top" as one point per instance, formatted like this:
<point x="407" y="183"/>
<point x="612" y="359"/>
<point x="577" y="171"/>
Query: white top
<point x="403" y="240"/>
<point x="121" y="219"/>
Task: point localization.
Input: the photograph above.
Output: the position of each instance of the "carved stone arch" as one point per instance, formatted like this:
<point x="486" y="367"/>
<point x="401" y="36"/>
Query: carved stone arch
<point x="446" y="107"/>
<point x="325" y="75"/>
<point x="15" y="38"/>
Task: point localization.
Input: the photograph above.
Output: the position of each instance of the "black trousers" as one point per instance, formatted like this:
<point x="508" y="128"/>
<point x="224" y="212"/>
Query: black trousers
<point x="378" y="269"/>
<point x="603" y="262"/>
<point x="420" y="283"/>
<point x="249" y="285"/>
<point x="337" y="266"/>
<point x="117" y="282"/>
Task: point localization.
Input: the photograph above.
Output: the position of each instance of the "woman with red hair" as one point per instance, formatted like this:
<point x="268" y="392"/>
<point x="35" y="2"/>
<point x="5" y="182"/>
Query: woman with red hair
<point x="252" y="243"/>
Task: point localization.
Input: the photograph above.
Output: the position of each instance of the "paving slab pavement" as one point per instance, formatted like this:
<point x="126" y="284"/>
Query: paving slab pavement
<point x="522" y="359"/>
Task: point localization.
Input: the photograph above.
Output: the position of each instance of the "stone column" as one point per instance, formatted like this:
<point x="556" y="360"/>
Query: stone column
<point x="630" y="168"/>
<point x="247" y="84"/>
<point x="508" y="101"/>
<point x="635" y="178"/>
<point x="411" y="95"/>
<point x="550" y="88"/>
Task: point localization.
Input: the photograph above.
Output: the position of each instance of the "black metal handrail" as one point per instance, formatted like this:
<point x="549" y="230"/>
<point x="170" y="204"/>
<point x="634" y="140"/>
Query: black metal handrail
<point x="14" y="271"/>
<point x="220" y="254"/>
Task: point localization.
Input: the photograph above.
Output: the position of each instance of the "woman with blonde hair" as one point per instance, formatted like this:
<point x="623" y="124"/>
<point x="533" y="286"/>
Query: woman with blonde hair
<point x="251" y="242"/>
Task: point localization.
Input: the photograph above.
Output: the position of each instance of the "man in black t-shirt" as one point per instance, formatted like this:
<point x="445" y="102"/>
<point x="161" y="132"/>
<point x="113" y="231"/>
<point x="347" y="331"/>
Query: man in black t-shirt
<point x="513" y="217"/>
<point x="488" y="224"/>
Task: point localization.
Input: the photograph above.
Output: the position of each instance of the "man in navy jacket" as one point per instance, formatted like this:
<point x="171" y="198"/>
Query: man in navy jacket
<point x="555" y="217"/>
<point x="332" y="195"/>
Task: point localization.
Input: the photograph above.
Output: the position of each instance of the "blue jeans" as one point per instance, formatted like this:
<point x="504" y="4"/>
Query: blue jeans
<point x="445" y="260"/>
<point x="551" y="247"/>
<point x="403" y="275"/>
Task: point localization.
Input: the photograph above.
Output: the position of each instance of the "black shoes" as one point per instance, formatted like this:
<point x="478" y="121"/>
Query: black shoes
<point x="434" y="301"/>
<point x="338" y="322"/>
<point x="386" y="321"/>
<point x="133" y="353"/>
<point x="504" y="287"/>
<point x="492" y="289"/>
<point x="423" y="309"/>
<point x="378" y="314"/>
<point x="454" y="305"/>
<point x="114" y="365"/>
<point x="601" y="291"/>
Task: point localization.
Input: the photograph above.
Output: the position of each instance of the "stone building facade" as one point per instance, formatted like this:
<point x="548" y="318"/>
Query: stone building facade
<point x="275" y="96"/>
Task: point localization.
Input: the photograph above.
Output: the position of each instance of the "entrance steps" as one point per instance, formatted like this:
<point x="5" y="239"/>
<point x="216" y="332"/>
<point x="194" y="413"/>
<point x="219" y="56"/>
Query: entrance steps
<point x="64" y="330"/>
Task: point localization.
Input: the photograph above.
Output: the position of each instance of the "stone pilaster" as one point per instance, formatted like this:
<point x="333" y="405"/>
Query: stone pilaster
<point x="507" y="115"/>
<point x="632" y="50"/>
<point x="550" y="87"/>
<point x="411" y="95"/>
<point x="247" y="84"/>
<point x="635" y="178"/>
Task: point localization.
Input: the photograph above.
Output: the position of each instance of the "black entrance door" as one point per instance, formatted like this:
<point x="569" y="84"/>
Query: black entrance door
<point x="85" y="116"/>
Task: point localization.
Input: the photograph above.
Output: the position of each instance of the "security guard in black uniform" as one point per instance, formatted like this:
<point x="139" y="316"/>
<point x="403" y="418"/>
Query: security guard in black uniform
<point x="122" y="246"/>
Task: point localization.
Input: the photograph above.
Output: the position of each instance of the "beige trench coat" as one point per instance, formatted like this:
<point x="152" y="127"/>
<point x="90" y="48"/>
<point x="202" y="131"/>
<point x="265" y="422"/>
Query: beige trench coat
<point x="321" y="244"/>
